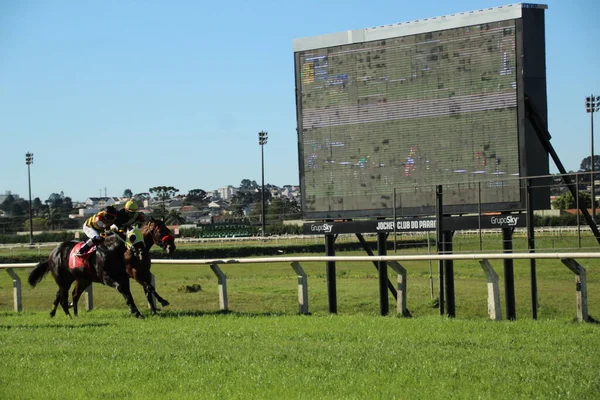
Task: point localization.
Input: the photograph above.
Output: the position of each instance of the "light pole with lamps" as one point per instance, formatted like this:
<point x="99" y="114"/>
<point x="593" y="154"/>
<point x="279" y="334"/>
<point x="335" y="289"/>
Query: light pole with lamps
<point x="29" y="161"/>
<point x="592" y="104"/>
<point x="262" y="140"/>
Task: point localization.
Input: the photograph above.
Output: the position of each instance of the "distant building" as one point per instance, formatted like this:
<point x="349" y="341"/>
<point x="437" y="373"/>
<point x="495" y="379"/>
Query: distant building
<point x="101" y="202"/>
<point x="227" y="192"/>
<point x="8" y="193"/>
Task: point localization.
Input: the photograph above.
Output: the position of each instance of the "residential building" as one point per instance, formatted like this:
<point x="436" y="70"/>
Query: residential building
<point x="227" y="192"/>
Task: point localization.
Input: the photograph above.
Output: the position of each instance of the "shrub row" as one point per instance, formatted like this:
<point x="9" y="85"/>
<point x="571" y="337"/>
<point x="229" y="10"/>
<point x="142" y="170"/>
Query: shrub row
<point x="237" y="252"/>
<point x="277" y="229"/>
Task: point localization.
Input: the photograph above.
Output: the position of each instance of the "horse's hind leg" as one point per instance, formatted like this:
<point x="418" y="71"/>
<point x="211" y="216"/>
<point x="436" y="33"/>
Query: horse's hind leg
<point x="64" y="299"/>
<point x="55" y="304"/>
<point x="80" y="286"/>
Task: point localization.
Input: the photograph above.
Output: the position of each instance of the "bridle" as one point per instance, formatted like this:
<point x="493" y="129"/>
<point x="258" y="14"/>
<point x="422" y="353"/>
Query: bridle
<point x="161" y="235"/>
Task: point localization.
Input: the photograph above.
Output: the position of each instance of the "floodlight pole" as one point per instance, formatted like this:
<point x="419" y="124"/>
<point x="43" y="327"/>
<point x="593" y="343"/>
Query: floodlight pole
<point x="592" y="104"/>
<point x="262" y="140"/>
<point x="29" y="161"/>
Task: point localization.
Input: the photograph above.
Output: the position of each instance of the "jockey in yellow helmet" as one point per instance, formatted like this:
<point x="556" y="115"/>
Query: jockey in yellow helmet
<point x="129" y="216"/>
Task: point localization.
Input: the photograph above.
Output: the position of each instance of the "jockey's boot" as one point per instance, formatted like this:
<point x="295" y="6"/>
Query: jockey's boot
<point x="83" y="249"/>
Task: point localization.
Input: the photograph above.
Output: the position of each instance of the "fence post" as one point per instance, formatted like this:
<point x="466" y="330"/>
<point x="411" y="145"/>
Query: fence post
<point x="302" y="288"/>
<point x="401" y="298"/>
<point x="223" y="303"/>
<point x="494" y="309"/>
<point x="89" y="297"/>
<point x="580" y="287"/>
<point x="17" y="298"/>
<point x="152" y="302"/>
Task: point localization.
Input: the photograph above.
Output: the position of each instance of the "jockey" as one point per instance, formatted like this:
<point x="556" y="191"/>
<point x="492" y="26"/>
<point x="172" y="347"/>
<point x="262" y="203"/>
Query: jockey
<point x="129" y="216"/>
<point x="95" y="225"/>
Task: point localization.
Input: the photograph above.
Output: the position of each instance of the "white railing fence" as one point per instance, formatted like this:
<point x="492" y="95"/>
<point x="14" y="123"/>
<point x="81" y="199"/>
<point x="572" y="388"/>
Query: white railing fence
<point x="494" y="310"/>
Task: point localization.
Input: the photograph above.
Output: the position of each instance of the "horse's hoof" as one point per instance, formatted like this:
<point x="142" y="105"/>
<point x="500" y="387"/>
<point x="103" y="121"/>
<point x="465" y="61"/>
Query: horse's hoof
<point x="165" y="303"/>
<point x="139" y="315"/>
<point x="52" y="314"/>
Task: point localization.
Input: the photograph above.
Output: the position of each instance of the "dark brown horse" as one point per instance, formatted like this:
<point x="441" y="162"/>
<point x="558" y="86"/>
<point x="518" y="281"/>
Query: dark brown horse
<point x="154" y="232"/>
<point x="106" y="266"/>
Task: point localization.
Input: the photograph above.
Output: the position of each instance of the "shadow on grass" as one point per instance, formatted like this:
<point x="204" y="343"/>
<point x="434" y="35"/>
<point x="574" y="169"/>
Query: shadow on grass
<point x="63" y="326"/>
<point x="195" y="313"/>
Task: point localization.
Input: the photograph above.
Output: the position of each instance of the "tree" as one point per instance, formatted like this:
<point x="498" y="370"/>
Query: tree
<point x="566" y="201"/>
<point x="128" y="193"/>
<point x="196" y="196"/>
<point x="242" y="198"/>
<point x="247" y="185"/>
<point x="38" y="224"/>
<point x="37" y="206"/>
<point x="7" y="203"/>
<point x="16" y="209"/>
<point x="174" y="217"/>
<point x="586" y="164"/>
<point x="67" y="205"/>
<point x="163" y="193"/>
<point x="276" y="210"/>
<point x="291" y="209"/>
<point x="55" y="200"/>
<point x="53" y="218"/>
<point x="141" y="197"/>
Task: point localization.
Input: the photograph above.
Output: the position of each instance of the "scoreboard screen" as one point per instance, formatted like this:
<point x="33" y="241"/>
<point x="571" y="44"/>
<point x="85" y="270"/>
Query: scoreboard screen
<point x="385" y="120"/>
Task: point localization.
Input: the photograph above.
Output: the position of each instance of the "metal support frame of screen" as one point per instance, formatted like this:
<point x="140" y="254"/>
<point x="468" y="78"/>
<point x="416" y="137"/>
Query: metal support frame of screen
<point x="529" y="72"/>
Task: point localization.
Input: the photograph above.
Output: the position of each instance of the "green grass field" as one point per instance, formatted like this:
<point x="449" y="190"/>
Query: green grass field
<point x="263" y="349"/>
<point x="197" y="354"/>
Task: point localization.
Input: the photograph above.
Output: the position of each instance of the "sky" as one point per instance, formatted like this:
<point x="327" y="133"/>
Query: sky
<point x="130" y="94"/>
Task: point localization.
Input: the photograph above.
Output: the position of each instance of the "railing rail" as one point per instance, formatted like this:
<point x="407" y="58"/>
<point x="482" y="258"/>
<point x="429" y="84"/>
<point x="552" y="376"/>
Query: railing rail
<point x="567" y="258"/>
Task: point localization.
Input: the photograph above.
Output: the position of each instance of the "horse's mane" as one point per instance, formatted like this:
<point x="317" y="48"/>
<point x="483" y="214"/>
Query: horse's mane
<point x="113" y="243"/>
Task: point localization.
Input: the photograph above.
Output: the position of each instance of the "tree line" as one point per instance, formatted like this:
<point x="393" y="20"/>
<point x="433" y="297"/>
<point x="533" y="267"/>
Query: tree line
<point x="52" y="213"/>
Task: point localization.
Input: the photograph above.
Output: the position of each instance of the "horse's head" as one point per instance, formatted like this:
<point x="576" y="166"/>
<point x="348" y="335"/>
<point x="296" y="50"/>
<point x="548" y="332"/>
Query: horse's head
<point x="161" y="235"/>
<point x="135" y="242"/>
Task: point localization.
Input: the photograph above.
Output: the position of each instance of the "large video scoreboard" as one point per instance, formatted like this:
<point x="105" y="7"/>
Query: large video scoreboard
<point x="385" y="114"/>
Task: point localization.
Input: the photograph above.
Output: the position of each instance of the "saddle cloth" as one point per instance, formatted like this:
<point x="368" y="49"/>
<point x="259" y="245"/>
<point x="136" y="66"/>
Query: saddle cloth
<point x="82" y="261"/>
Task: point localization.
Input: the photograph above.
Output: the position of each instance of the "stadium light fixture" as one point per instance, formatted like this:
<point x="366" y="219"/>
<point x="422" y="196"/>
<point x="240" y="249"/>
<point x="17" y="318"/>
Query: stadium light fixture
<point x="592" y="105"/>
<point x="262" y="140"/>
<point x="29" y="161"/>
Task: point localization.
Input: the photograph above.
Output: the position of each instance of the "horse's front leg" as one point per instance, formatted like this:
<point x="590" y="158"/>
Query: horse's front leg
<point x="148" y="291"/>
<point x="151" y="295"/>
<point x="123" y="287"/>
<point x="163" y="302"/>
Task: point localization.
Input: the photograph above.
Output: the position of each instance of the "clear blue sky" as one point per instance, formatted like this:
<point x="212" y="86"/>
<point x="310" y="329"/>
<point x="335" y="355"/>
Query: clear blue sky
<point x="135" y="94"/>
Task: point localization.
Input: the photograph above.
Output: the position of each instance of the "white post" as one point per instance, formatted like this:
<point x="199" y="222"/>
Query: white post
<point x="223" y="304"/>
<point x="17" y="299"/>
<point x="580" y="287"/>
<point x="89" y="298"/>
<point x="302" y="288"/>
<point x="401" y="306"/>
<point x="152" y="301"/>
<point x="494" y="309"/>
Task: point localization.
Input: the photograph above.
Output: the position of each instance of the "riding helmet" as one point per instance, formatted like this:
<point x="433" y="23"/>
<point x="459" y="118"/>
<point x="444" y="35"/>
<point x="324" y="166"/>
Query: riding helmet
<point x="131" y="205"/>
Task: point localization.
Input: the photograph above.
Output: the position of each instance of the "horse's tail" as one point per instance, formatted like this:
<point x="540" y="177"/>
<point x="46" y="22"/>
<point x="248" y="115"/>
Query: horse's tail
<point x="38" y="273"/>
